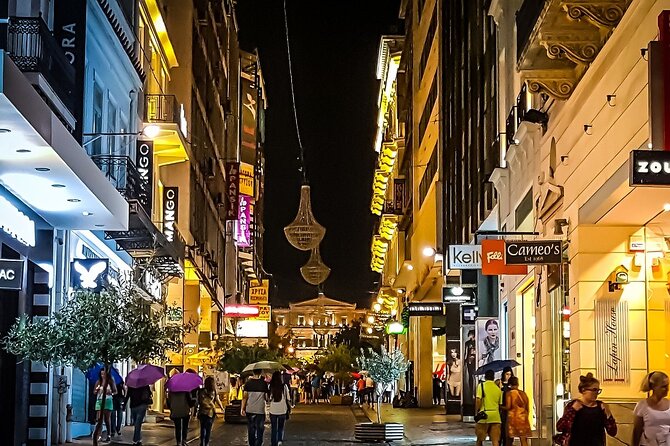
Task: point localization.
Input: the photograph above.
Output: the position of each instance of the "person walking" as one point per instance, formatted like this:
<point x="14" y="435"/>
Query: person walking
<point x="295" y="385"/>
<point x="253" y="407"/>
<point x="104" y="386"/>
<point x="437" y="389"/>
<point x="316" y="388"/>
<point x="307" y="390"/>
<point x="585" y="420"/>
<point x="279" y="408"/>
<point x="370" y="390"/>
<point x="360" y="389"/>
<point x="507" y="373"/>
<point x="652" y="415"/>
<point x="180" y="404"/>
<point x="138" y="399"/>
<point x="488" y="399"/>
<point x="517" y="407"/>
<point x="208" y="398"/>
<point x="119" y="407"/>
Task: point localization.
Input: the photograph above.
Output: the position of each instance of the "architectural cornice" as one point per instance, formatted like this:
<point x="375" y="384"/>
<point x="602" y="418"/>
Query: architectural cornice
<point x="604" y="14"/>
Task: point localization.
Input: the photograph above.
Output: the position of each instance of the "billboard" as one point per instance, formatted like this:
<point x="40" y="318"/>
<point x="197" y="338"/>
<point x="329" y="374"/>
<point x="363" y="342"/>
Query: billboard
<point x="252" y="329"/>
<point x="487" y="330"/>
<point x="247" y="179"/>
<point x="258" y="292"/>
<point x="244" y="222"/>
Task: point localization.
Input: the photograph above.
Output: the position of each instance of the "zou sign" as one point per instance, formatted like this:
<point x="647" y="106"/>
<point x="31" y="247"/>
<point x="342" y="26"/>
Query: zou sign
<point x="649" y="168"/>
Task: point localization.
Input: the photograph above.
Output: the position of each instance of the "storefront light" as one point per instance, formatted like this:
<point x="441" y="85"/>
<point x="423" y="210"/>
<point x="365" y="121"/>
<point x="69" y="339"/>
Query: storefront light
<point x="666" y="207"/>
<point x="394" y="312"/>
<point x="371" y="319"/>
<point x="428" y="251"/>
<point x="369" y="330"/>
<point x="377" y="307"/>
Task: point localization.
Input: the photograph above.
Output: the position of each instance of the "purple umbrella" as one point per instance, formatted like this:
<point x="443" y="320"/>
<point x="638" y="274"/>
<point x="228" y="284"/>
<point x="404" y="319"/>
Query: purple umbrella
<point x="144" y="375"/>
<point x="183" y="382"/>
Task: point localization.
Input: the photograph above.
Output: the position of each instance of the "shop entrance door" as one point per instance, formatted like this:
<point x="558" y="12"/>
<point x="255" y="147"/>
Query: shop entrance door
<point x="526" y="315"/>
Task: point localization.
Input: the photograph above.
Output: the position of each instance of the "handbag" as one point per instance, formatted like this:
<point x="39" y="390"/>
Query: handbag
<point x="288" y="405"/>
<point x="481" y="415"/>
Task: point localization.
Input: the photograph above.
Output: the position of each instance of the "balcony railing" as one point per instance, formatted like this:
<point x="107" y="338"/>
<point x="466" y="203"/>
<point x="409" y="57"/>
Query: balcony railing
<point x="33" y="48"/>
<point x="122" y="173"/>
<point x="162" y="108"/>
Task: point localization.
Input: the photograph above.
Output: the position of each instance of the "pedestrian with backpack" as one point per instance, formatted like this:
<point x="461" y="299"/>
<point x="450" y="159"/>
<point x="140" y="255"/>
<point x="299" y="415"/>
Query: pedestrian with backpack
<point x="138" y="399"/>
<point x="208" y="399"/>
<point x="586" y="419"/>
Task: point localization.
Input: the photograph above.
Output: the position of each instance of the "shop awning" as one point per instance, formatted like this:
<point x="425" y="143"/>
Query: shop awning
<point x="45" y="167"/>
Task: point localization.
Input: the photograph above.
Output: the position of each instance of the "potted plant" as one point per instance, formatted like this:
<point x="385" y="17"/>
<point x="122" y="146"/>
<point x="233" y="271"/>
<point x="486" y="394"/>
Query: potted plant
<point x="384" y="368"/>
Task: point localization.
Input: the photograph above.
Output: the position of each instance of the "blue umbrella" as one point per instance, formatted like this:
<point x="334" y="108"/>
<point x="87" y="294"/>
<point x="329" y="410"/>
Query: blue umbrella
<point x="497" y="366"/>
<point x="93" y="374"/>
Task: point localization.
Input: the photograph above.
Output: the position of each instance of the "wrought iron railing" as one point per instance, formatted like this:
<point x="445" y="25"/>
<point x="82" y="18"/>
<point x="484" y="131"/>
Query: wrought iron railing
<point x="161" y="108"/>
<point x="526" y="18"/>
<point x="122" y="173"/>
<point x="33" y="48"/>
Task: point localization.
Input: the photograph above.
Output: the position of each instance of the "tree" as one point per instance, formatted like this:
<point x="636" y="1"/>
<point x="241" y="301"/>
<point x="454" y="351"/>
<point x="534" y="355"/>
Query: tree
<point x="237" y="356"/>
<point x="111" y="326"/>
<point x="349" y="335"/>
<point x="339" y="360"/>
<point x="384" y="368"/>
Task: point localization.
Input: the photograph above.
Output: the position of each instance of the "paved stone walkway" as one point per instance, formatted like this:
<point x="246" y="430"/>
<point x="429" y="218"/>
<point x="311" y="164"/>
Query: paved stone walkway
<point x="315" y="425"/>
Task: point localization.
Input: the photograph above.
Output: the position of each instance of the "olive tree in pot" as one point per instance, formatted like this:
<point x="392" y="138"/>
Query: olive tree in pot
<point x="385" y="368"/>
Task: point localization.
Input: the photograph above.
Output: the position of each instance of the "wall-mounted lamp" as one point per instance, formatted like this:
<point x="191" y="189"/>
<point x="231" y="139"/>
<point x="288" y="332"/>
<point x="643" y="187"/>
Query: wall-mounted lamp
<point x="618" y="278"/>
<point x="611" y="100"/>
<point x="559" y="224"/>
<point x="588" y="129"/>
<point x="643" y="53"/>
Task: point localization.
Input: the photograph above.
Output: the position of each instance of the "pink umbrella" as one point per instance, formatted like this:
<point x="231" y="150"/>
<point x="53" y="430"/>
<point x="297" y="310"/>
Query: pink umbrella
<point x="183" y="382"/>
<point x="144" y="375"/>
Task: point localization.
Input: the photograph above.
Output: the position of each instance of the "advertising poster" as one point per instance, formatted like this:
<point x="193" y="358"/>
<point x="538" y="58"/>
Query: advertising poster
<point x="487" y="332"/>
<point x="454" y="372"/>
<point x="469" y="352"/>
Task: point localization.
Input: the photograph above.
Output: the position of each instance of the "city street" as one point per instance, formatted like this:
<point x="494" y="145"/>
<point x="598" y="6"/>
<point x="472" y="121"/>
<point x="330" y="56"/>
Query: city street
<point x="321" y="424"/>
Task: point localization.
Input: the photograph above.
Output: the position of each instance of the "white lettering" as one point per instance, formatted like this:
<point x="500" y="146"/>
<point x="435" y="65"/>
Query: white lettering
<point x="7" y="274"/>
<point x="494" y="255"/>
<point x="655" y="167"/>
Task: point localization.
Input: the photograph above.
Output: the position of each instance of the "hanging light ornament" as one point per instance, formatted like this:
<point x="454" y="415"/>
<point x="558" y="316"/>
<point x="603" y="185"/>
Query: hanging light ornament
<point x="305" y="232"/>
<point x="315" y="272"/>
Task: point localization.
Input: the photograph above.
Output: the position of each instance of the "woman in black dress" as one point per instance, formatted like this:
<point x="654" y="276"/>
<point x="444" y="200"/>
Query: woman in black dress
<point x="586" y="419"/>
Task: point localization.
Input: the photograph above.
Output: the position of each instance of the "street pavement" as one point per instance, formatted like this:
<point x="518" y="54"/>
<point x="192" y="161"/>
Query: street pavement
<point x="320" y="424"/>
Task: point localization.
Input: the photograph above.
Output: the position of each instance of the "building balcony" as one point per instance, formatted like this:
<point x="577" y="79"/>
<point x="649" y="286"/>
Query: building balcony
<point x="557" y="40"/>
<point x="143" y="240"/>
<point x="167" y="113"/>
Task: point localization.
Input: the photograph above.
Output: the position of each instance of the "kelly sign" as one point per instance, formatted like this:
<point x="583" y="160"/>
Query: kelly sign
<point x="537" y="252"/>
<point x="465" y="256"/>
<point x="11" y="274"/>
<point x="493" y="260"/>
<point x="649" y="168"/>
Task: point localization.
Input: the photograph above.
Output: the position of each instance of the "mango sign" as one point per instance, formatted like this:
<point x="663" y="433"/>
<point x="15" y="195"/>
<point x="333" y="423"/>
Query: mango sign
<point x="258" y="293"/>
<point x="264" y="313"/>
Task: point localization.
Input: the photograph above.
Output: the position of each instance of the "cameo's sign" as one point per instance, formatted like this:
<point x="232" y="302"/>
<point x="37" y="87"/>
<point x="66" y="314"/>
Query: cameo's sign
<point x="649" y="168"/>
<point x="465" y="256"/>
<point x="170" y="211"/>
<point x="538" y="252"/>
<point x="612" y="340"/>
<point x="11" y="274"/>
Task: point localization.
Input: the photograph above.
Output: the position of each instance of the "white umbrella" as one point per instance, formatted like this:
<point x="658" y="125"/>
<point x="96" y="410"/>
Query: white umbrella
<point x="266" y="366"/>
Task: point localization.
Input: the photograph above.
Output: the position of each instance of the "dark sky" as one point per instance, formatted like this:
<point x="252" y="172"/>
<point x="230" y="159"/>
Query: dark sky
<point x="334" y="50"/>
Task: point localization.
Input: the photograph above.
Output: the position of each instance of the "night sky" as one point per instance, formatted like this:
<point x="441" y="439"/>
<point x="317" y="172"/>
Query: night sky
<point x="334" y="47"/>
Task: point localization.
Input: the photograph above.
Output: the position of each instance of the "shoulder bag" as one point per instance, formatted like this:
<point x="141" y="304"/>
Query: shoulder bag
<point x="481" y="415"/>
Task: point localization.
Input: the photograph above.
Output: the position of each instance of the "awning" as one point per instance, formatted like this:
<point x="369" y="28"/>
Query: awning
<point x="45" y="167"/>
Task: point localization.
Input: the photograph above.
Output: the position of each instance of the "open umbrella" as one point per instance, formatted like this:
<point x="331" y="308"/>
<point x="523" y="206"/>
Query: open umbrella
<point x="355" y="375"/>
<point x="265" y="366"/>
<point x="183" y="382"/>
<point x="497" y="366"/>
<point x="93" y="374"/>
<point x="144" y="375"/>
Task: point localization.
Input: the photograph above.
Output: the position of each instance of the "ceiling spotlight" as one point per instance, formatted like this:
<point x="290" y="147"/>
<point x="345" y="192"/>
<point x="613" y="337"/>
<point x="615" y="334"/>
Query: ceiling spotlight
<point x="369" y="330"/>
<point x="99" y="226"/>
<point x="410" y="267"/>
<point x="42" y="169"/>
<point x="377" y="307"/>
<point x="428" y="251"/>
<point x="5" y="131"/>
<point x="73" y="200"/>
<point x="394" y="312"/>
<point x="58" y="185"/>
<point x="23" y="150"/>
<point x="401" y="291"/>
<point x="380" y="300"/>
<point x="151" y="131"/>
<point x="87" y="214"/>
<point x="371" y="319"/>
<point x="666" y="207"/>
<point x="588" y="129"/>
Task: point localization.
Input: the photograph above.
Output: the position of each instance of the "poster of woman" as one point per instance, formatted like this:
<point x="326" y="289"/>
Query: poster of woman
<point x="454" y="371"/>
<point x="488" y="340"/>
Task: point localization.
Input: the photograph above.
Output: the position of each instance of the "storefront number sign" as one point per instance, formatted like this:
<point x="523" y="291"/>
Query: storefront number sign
<point x="536" y="252"/>
<point x="11" y="274"/>
<point x="612" y="340"/>
<point x="649" y="168"/>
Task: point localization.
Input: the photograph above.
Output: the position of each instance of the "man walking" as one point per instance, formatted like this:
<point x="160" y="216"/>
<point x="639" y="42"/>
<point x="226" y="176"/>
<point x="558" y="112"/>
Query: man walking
<point x="253" y="406"/>
<point x="489" y="400"/>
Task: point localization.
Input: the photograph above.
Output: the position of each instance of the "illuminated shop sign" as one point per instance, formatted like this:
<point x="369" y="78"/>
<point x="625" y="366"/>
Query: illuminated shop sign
<point x="493" y="260"/>
<point x="469" y="313"/>
<point x="11" y="274"/>
<point x="465" y="257"/>
<point x="458" y="294"/>
<point x="244" y="222"/>
<point x="426" y="309"/>
<point x="170" y="211"/>
<point x="649" y="168"/>
<point x="252" y="329"/>
<point x="89" y="274"/>
<point x="247" y="179"/>
<point x="264" y="313"/>
<point x="16" y="223"/>
<point x="144" y="161"/>
<point x="233" y="310"/>
<point x="232" y="189"/>
<point x="258" y="292"/>
<point x="538" y="252"/>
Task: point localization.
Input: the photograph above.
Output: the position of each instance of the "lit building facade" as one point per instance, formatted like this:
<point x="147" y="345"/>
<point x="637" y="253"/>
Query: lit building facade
<point x="576" y="107"/>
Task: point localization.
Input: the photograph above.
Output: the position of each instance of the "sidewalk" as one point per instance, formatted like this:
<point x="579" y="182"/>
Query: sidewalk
<point x="426" y="426"/>
<point x="153" y="434"/>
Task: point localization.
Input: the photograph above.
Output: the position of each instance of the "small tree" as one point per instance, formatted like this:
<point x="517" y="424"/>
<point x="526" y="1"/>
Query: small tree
<point x="384" y="368"/>
<point x="237" y="356"/>
<point x="338" y="359"/>
<point x="111" y="326"/>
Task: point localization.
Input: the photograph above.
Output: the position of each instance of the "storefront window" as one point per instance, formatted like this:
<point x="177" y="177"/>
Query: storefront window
<point x="560" y="321"/>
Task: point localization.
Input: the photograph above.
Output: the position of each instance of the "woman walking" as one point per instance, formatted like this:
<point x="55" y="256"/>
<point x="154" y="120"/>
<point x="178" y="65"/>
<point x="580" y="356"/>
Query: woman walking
<point x="104" y="386"/>
<point x="279" y="408"/>
<point x="586" y="419"/>
<point x="652" y="415"/>
<point x="119" y="403"/>
<point x="139" y="399"/>
<point x="207" y="399"/>
<point x="180" y="404"/>
<point x="517" y="406"/>
<point x="505" y="387"/>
